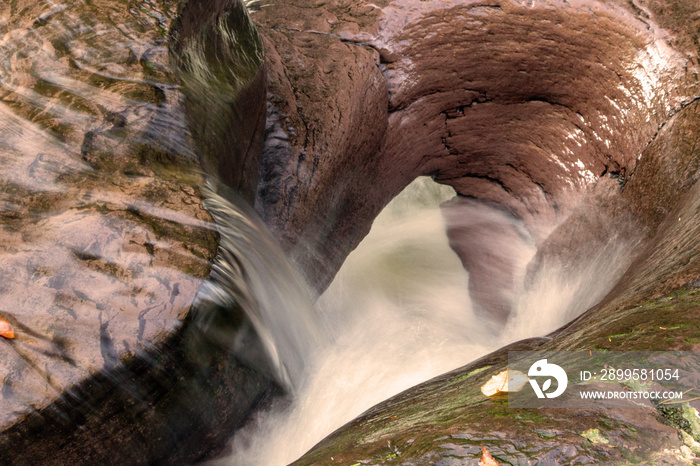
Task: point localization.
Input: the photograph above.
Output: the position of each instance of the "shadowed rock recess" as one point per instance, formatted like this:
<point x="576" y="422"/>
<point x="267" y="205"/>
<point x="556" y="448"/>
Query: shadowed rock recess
<point x="521" y="105"/>
<point x="566" y="115"/>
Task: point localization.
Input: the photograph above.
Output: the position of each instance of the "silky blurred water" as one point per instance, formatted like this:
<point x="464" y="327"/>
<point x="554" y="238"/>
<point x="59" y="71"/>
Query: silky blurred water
<point x="399" y="313"/>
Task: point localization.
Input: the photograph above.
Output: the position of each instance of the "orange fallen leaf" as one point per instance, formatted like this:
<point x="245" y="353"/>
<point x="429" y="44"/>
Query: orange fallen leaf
<point x="6" y="330"/>
<point x="486" y="458"/>
<point x="508" y="381"/>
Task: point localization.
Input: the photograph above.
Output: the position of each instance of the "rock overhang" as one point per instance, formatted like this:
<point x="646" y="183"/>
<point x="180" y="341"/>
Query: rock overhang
<point x="520" y="105"/>
<point x="535" y="99"/>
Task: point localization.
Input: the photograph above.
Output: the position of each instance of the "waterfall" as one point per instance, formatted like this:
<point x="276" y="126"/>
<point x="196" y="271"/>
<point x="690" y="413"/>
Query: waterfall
<point x="399" y="313"/>
<point x="252" y="272"/>
<point x="95" y="150"/>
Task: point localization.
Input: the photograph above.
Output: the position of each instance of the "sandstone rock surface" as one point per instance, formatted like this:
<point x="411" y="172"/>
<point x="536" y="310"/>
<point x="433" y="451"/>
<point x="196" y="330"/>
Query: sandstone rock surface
<point x="654" y="307"/>
<point x="106" y="242"/>
<point x="563" y="114"/>
<point x="522" y="105"/>
<point x="578" y="118"/>
<point x="104" y="237"/>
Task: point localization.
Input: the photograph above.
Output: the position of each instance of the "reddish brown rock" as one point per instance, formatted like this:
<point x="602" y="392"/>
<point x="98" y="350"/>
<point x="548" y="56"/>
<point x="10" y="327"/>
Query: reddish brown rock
<point x="580" y="119"/>
<point x="522" y="105"/>
<point x="104" y="238"/>
<point x="327" y="97"/>
<point x="653" y="307"/>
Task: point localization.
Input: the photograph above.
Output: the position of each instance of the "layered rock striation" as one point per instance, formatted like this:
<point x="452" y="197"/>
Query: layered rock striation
<point x="522" y="105"/>
<point x="577" y="119"/>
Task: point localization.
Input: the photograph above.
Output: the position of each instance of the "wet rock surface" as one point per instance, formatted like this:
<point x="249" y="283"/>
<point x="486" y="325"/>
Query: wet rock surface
<point x="327" y="114"/>
<point x="654" y="307"/>
<point x="446" y="420"/>
<point x="106" y="242"/>
<point x="104" y="238"/>
<point x="552" y="111"/>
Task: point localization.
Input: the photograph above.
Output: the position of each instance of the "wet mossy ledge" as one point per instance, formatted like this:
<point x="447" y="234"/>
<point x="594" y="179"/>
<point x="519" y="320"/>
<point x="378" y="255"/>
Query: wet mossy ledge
<point x="447" y="419"/>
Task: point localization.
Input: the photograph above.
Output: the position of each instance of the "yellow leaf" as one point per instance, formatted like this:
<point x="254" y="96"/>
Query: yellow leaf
<point x="498" y="386"/>
<point x="6" y="330"/>
<point x="486" y="458"/>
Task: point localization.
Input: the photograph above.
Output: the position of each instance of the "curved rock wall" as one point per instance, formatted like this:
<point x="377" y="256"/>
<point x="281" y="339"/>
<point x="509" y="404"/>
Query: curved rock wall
<point x="549" y="110"/>
<point x="579" y="118"/>
<point x="524" y="105"/>
<point x="655" y="306"/>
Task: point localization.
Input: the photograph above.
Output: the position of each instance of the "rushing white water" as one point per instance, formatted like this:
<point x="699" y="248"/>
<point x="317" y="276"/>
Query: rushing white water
<point x="399" y="313"/>
<point x="251" y="271"/>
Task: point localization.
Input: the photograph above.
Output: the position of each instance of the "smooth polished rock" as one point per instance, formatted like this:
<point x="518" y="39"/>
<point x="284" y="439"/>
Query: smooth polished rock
<point x="104" y="237"/>
<point x="120" y="355"/>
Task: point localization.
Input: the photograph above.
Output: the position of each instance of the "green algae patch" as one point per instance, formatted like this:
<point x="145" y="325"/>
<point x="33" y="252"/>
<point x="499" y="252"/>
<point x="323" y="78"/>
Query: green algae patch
<point x="545" y="434"/>
<point x="673" y="416"/>
<point x="658" y="325"/>
<point x="690" y="414"/>
<point x="474" y="372"/>
<point x="594" y="436"/>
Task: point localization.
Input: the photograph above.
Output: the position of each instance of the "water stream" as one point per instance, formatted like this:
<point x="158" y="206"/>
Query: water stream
<point x="399" y="313"/>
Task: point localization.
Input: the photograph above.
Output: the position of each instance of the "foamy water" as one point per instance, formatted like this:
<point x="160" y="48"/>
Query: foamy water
<point x="399" y="313"/>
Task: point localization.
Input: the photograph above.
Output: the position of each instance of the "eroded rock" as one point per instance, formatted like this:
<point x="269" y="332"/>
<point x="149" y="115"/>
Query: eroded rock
<point x="106" y="242"/>
<point x="577" y="118"/>
<point x="520" y="105"/>
<point x="104" y="237"/>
